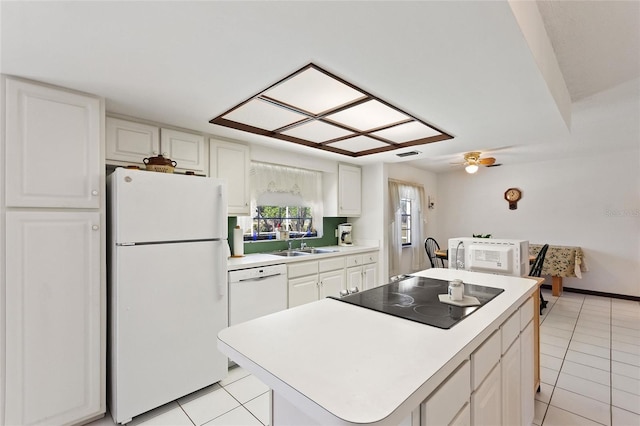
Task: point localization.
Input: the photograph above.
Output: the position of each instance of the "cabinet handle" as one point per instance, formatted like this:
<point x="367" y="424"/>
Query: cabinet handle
<point x="94" y="192"/>
<point x="95" y="227"/>
<point x="155" y="152"/>
<point x="164" y="154"/>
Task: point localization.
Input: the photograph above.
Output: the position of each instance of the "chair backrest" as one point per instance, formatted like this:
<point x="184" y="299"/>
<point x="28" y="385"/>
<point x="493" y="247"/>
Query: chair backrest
<point x="536" y="269"/>
<point x="430" y="246"/>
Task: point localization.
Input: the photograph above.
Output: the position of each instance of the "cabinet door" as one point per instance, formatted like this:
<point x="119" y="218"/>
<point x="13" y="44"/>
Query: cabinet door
<point x="53" y="141"/>
<point x="131" y="142"/>
<point x="230" y="161"/>
<point x="464" y="417"/>
<point x="511" y="402"/>
<point x="354" y="277"/>
<point x="303" y="290"/>
<point x="331" y="283"/>
<point x="186" y="149"/>
<point x="349" y="190"/>
<point x="54" y="333"/>
<point x="486" y="402"/>
<point x="369" y="276"/>
<point x="527" y="389"/>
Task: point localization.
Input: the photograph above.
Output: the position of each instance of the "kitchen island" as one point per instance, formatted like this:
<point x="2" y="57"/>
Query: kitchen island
<point x="329" y="362"/>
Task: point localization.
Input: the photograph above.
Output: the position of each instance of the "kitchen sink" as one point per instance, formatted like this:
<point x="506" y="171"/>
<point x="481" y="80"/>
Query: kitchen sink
<point x="315" y="250"/>
<point x="290" y="253"/>
<point x="303" y="252"/>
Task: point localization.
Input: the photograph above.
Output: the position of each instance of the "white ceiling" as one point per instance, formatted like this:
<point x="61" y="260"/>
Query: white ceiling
<point x="465" y="67"/>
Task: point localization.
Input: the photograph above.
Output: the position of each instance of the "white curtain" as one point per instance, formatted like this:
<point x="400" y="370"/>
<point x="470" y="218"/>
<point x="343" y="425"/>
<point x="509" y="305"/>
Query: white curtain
<point x="275" y="185"/>
<point x="397" y="192"/>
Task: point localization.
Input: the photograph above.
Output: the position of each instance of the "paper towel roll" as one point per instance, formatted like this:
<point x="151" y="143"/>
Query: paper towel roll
<point x="238" y="242"/>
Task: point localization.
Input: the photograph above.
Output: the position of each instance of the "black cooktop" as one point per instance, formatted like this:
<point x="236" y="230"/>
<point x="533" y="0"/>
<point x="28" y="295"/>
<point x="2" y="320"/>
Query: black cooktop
<point x="416" y="299"/>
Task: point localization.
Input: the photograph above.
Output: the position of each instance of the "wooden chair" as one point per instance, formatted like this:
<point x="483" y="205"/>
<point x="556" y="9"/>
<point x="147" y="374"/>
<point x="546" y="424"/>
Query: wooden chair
<point x="430" y="246"/>
<point x="536" y="270"/>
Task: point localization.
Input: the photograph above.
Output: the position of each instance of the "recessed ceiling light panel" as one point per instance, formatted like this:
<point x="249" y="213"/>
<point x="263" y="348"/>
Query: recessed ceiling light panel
<point x="407" y="132"/>
<point x="368" y="115"/>
<point x="359" y="143"/>
<point x="314" y="92"/>
<point x="317" y="131"/>
<point x="264" y="115"/>
<point x="315" y="108"/>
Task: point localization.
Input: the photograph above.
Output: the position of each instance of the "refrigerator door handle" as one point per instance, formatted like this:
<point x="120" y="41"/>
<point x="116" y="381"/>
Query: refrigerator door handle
<point x="222" y="282"/>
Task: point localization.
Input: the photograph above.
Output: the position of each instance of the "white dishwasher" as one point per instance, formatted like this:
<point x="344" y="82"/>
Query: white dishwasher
<point x="256" y="292"/>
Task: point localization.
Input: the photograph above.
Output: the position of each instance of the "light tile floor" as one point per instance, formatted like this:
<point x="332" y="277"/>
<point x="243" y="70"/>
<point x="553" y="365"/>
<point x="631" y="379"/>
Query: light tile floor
<point x="589" y="361"/>
<point x="590" y="373"/>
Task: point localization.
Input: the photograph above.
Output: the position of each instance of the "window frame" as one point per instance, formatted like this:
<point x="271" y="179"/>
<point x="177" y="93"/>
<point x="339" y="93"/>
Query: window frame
<point x="296" y="223"/>
<point x="409" y="222"/>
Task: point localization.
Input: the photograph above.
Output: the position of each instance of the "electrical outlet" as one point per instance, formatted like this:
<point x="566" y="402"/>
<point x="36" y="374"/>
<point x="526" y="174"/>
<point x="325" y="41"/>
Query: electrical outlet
<point x="336" y="232"/>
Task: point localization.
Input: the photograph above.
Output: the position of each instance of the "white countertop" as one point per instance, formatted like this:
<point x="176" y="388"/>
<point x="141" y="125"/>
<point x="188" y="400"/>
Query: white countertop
<point x="343" y="364"/>
<point x="255" y="260"/>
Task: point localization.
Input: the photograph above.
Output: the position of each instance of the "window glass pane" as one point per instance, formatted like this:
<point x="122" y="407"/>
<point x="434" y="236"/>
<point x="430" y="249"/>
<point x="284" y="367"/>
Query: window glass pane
<point x="269" y="220"/>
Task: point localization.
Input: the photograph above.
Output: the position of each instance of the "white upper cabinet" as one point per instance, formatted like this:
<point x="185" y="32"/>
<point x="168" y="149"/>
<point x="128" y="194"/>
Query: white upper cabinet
<point x="342" y="191"/>
<point x="132" y="142"/>
<point x="186" y="149"/>
<point x="53" y="147"/>
<point x="349" y="190"/>
<point x="230" y="161"/>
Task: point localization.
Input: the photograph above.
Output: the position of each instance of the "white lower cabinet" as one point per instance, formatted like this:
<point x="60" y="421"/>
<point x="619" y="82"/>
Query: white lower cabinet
<point x="511" y="395"/>
<point x="486" y="401"/>
<point x="315" y="280"/>
<point x="463" y="418"/>
<point x="446" y="402"/>
<point x="54" y="344"/>
<point x="362" y="271"/>
<point x="527" y="386"/>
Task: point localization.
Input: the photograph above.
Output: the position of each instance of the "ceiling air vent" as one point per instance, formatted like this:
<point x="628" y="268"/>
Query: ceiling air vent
<point x="408" y="154"/>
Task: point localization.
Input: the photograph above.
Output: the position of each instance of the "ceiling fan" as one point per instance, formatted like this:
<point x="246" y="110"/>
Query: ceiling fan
<point x="472" y="161"/>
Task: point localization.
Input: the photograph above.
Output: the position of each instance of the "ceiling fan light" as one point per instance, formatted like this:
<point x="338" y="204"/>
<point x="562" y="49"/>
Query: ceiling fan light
<point x="471" y="168"/>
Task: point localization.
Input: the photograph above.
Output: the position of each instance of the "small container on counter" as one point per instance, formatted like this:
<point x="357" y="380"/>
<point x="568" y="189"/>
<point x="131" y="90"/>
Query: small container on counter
<point x="456" y="290"/>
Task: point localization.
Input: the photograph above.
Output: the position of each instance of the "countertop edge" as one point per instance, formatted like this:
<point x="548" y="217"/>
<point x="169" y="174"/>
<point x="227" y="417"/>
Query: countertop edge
<point x="255" y="260"/>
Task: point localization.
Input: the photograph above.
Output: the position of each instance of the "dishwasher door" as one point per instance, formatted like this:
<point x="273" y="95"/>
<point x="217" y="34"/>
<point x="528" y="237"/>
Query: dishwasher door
<point x="256" y="292"/>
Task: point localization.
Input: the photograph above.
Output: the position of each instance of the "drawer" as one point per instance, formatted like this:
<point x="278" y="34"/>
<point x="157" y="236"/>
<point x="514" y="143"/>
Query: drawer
<point x="370" y="257"/>
<point x="509" y="331"/>
<point x="355" y="260"/>
<point x="526" y="313"/>
<point x="484" y="359"/>
<point x="446" y="401"/>
<point x="332" y="264"/>
<point x="300" y="269"/>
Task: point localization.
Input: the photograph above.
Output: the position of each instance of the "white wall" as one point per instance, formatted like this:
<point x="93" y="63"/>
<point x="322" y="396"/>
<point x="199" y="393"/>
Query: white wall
<point x="589" y="196"/>
<point x="588" y="202"/>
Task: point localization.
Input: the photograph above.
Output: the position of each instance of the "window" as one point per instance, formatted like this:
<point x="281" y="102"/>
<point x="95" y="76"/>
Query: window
<point x="283" y="198"/>
<point x="298" y="220"/>
<point x="405" y="220"/>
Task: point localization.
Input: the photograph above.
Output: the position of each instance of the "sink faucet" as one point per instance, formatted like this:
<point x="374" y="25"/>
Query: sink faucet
<point x="302" y="243"/>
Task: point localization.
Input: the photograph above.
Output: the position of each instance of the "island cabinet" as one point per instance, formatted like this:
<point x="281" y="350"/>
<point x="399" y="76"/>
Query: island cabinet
<point x="130" y="142"/>
<point x="479" y="372"/>
<point x="311" y="281"/>
<point x="53" y="281"/>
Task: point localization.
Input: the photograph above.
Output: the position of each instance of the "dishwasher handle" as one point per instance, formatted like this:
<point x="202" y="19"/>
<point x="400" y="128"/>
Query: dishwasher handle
<point x="263" y="277"/>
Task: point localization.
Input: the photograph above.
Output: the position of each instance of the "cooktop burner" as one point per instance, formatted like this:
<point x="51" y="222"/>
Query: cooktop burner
<point x="416" y="299"/>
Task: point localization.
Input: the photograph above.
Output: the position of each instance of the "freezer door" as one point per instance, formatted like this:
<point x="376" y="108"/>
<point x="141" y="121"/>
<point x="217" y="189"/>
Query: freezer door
<point x="168" y="302"/>
<point x="151" y="206"/>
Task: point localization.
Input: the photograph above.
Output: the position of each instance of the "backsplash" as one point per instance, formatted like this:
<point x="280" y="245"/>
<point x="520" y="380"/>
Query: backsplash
<point x="329" y="224"/>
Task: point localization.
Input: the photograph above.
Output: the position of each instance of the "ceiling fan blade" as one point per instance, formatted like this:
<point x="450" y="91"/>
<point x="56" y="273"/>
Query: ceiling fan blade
<point x="487" y="161"/>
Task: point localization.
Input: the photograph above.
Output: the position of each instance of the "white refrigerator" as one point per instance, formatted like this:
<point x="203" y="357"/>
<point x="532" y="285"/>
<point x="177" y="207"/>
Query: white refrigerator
<point x="167" y="287"/>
